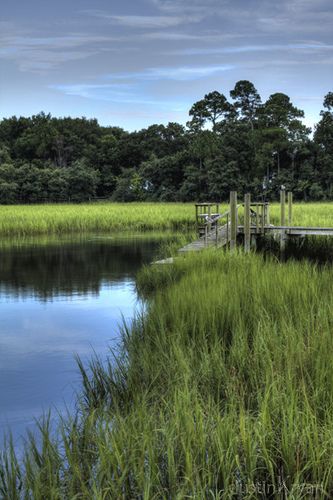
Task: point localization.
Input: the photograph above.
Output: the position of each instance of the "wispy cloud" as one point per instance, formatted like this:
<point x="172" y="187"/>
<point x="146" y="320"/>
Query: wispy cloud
<point x="201" y="36"/>
<point x="169" y="36"/>
<point x="38" y="54"/>
<point x="109" y="92"/>
<point x="202" y="7"/>
<point x="135" y="87"/>
<point x="284" y="16"/>
<point x="148" y="21"/>
<point x="255" y="48"/>
<point x="143" y="22"/>
<point x="178" y="73"/>
<point x="117" y="94"/>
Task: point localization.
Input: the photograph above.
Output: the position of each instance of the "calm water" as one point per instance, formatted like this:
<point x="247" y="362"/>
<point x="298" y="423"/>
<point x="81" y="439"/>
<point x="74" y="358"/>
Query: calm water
<point x="58" y="299"/>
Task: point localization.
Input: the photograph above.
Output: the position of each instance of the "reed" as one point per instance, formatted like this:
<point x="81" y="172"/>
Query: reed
<point x="29" y="220"/>
<point x="98" y="217"/>
<point x="224" y="390"/>
<point x="306" y="214"/>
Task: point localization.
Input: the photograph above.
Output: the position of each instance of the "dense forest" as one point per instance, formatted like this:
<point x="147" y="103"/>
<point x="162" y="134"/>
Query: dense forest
<point x="241" y="143"/>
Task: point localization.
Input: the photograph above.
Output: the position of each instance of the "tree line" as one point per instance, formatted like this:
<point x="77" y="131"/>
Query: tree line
<point x="241" y="143"/>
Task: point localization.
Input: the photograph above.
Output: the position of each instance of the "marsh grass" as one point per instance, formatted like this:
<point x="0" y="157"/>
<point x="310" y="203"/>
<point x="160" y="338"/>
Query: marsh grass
<point x="306" y="214"/>
<point x="25" y="220"/>
<point x="28" y="220"/>
<point x="224" y="390"/>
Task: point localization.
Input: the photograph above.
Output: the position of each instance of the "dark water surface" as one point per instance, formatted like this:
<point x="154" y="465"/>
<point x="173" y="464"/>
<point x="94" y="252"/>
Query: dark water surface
<point x="59" y="299"/>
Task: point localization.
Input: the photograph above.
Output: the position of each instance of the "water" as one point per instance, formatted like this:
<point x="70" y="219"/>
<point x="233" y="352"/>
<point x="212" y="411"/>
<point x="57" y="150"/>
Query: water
<point x="59" y="299"/>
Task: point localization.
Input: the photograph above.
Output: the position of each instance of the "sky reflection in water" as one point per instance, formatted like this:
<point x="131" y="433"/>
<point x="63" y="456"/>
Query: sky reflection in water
<point x="58" y="300"/>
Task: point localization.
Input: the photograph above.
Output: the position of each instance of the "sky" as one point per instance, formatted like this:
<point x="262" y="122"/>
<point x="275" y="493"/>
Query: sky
<point x="135" y="63"/>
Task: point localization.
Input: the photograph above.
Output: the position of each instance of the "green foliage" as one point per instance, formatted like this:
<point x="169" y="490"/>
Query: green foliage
<point x="247" y="101"/>
<point x="82" y="181"/>
<point x="8" y="192"/>
<point x="63" y="159"/>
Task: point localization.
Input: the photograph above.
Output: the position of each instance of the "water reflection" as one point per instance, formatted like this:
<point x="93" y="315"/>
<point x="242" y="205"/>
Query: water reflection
<point x="57" y="300"/>
<point x="71" y="267"/>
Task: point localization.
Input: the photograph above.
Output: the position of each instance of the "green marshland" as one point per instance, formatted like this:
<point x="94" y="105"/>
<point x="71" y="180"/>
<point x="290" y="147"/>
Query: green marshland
<point x="25" y="220"/>
<point x="224" y="388"/>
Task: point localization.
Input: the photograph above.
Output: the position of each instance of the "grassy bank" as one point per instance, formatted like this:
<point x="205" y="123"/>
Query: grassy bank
<point x="30" y="220"/>
<point x="225" y="390"/>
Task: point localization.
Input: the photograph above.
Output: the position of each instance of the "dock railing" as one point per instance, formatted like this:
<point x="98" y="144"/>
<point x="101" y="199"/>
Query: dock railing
<point x="250" y="219"/>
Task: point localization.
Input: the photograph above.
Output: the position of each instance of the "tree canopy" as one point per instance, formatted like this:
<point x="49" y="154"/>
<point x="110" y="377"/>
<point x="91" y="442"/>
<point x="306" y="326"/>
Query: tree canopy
<point x="242" y="144"/>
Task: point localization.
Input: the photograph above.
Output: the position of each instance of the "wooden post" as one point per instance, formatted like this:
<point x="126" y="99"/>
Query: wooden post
<point x="216" y="231"/>
<point x="283" y="207"/>
<point x="290" y="208"/>
<point x="283" y="220"/>
<point x="209" y="218"/>
<point x="263" y="218"/>
<point x="247" y="223"/>
<point x="268" y="222"/>
<point x="233" y="219"/>
<point x="257" y="219"/>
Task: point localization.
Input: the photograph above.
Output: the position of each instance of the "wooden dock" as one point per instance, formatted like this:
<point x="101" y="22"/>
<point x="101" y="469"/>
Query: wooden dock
<point x="232" y="227"/>
<point x="213" y="238"/>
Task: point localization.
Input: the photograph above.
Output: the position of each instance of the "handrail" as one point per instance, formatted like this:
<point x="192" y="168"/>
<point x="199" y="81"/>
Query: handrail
<point x="209" y="220"/>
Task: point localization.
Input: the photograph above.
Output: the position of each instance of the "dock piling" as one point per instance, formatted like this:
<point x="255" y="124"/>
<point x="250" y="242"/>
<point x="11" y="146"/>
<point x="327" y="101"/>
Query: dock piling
<point x="283" y="220"/>
<point x="290" y="208"/>
<point x="247" y="222"/>
<point x="233" y="220"/>
<point x="213" y="230"/>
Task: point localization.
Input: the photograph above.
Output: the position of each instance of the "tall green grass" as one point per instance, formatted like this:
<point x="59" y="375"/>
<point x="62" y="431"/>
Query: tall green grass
<point x="306" y="214"/>
<point x="65" y="218"/>
<point x="26" y="220"/>
<point x="224" y="390"/>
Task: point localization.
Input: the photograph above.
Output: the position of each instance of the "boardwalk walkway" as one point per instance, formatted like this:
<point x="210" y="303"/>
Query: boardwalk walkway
<point x="214" y="238"/>
<point x="246" y="225"/>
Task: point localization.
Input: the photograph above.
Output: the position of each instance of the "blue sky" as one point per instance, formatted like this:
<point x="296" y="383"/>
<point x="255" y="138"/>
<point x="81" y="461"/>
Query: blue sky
<point x="135" y="63"/>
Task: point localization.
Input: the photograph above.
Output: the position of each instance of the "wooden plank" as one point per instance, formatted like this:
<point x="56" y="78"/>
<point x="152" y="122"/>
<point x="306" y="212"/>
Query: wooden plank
<point x="309" y="232"/>
<point x="294" y="230"/>
<point x="201" y="244"/>
<point x="299" y="228"/>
